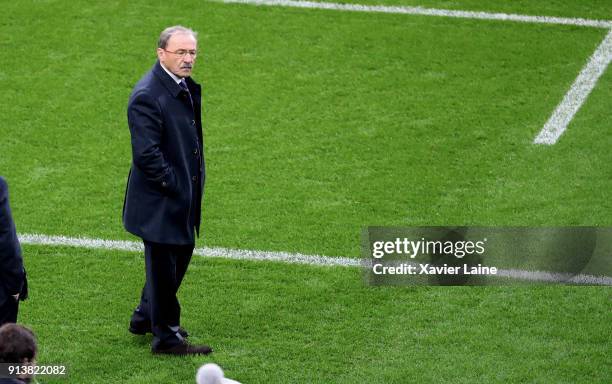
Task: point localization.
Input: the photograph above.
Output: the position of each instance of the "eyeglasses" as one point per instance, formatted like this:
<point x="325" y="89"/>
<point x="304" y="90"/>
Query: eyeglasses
<point x="183" y="52"/>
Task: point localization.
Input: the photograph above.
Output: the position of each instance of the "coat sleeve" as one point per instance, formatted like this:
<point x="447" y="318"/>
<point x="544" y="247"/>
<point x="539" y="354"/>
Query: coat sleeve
<point x="11" y="264"/>
<point x="146" y="130"/>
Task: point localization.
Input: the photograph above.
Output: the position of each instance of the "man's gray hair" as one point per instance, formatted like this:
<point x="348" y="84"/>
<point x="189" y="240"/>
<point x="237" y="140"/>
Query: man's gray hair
<point x="170" y="31"/>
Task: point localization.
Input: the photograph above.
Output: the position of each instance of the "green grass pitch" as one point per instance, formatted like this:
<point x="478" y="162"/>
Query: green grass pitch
<point x="317" y="124"/>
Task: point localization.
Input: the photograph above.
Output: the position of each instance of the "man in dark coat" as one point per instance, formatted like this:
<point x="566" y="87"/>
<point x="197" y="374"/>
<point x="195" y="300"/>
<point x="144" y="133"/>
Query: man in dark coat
<point x="165" y="185"/>
<point x="13" y="285"/>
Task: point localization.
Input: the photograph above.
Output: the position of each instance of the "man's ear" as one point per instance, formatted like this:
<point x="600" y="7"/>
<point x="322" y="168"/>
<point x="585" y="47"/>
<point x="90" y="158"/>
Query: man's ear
<point x="160" y="53"/>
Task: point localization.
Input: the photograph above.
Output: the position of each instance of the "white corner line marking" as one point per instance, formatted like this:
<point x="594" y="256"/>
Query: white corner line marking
<point x="286" y="257"/>
<point x="428" y="12"/>
<point x="574" y="98"/>
<point x="577" y="94"/>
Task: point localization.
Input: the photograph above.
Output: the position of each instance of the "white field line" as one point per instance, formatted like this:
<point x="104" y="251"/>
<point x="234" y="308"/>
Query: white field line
<point x="574" y="98"/>
<point x="578" y="93"/>
<point x="226" y="253"/>
<point x="428" y="12"/>
<point x="286" y="257"/>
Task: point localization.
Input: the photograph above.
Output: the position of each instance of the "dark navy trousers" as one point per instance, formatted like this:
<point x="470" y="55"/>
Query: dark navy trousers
<point x="165" y="266"/>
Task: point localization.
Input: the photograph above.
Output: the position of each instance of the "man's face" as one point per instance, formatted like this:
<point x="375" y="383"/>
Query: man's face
<point x="171" y="57"/>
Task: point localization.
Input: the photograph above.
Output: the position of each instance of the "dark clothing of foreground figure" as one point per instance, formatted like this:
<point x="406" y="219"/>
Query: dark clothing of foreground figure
<point x="13" y="280"/>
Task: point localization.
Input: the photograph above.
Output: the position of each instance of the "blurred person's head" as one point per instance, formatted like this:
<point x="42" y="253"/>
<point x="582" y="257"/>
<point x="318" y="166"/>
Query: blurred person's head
<point x="211" y="373"/>
<point x="17" y="346"/>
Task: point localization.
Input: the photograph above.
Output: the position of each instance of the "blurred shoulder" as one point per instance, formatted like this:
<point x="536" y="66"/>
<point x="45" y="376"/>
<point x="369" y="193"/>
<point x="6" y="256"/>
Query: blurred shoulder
<point x="3" y="191"/>
<point x="3" y="187"/>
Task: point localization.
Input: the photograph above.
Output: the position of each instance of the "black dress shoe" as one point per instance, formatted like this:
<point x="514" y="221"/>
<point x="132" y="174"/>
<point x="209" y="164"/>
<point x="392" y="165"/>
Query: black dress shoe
<point x="182" y="349"/>
<point x="143" y="330"/>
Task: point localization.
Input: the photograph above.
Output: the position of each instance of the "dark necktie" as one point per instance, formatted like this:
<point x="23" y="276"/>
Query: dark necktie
<point x="183" y="85"/>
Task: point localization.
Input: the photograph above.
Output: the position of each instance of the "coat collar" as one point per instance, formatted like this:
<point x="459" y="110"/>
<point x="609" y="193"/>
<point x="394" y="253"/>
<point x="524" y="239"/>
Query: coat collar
<point x="171" y="85"/>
